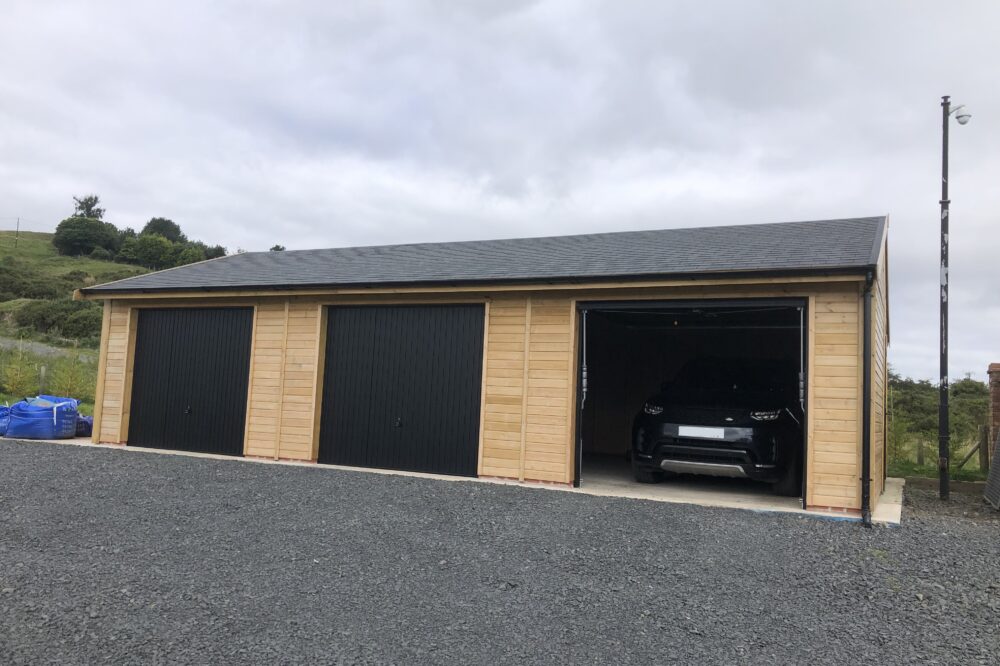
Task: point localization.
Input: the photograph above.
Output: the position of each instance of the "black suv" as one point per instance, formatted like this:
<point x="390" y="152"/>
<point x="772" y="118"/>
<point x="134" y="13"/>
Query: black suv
<point x="723" y="417"/>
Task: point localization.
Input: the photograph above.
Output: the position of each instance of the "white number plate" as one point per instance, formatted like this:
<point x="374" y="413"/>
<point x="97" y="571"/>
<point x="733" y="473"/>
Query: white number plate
<point x="702" y="433"/>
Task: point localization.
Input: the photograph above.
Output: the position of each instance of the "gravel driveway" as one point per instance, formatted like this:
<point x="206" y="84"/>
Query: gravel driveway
<point x="114" y="556"/>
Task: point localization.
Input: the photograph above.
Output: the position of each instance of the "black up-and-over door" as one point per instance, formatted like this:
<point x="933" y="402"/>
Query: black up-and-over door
<point x="402" y="388"/>
<point x="189" y="383"/>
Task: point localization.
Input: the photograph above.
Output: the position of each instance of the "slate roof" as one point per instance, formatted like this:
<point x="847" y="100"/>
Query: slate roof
<point x="850" y="245"/>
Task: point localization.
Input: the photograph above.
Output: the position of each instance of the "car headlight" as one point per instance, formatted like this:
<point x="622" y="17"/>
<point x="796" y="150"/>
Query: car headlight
<point x="765" y="416"/>
<point x="650" y="408"/>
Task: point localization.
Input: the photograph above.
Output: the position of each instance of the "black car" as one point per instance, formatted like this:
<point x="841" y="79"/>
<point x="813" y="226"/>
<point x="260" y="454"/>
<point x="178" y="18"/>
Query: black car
<point x="723" y="417"/>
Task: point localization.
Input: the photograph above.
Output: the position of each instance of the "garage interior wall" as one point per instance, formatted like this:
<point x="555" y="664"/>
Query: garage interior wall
<point x="529" y="393"/>
<point x="629" y="358"/>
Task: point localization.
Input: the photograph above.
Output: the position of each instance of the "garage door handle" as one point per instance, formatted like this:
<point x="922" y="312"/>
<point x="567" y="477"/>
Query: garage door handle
<point x="398" y="423"/>
<point x="187" y="410"/>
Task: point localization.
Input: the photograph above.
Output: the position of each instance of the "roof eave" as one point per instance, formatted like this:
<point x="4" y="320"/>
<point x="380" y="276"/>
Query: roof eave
<point x="97" y="293"/>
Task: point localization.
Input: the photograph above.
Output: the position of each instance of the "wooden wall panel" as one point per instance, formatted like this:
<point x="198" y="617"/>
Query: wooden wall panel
<point x="834" y="456"/>
<point x="504" y="394"/>
<point x="528" y="389"/>
<point x="266" y="363"/>
<point x="549" y="396"/>
<point x="282" y="409"/>
<point x="115" y="369"/>
<point x="880" y="374"/>
<point x="300" y="362"/>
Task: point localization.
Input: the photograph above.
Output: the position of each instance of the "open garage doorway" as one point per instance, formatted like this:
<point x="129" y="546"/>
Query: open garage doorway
<point x="702" y="395"/>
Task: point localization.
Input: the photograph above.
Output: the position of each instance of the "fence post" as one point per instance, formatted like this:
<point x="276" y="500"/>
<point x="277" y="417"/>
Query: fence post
<point x="920" y="452"/>
<point x="985" y="448"/>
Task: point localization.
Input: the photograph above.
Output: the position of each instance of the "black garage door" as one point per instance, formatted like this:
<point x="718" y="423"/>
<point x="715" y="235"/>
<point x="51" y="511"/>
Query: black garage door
<point x="189" y="385"/>
<point x="402" y="387"/>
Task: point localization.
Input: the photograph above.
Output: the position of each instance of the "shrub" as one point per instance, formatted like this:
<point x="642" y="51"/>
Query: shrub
<point x="71" y="318"/>
<point x="100" y="254"/>
<point x="84" y="323"/>
<point x="24" y="281"/>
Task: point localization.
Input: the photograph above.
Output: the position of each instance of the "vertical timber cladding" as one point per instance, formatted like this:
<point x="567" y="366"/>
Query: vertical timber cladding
<point x="880" y="374"/>
<point x="107" y="422"/>
<point x="835" y="402"/>
<point x="530" y="368"/>
<point x="283" y="379"/>
<point x="190" y="375"/>
<point x="402" y="387"/>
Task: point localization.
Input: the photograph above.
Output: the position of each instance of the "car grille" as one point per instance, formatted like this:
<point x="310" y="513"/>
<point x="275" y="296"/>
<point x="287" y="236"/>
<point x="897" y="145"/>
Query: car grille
<point x="680" y="451"/>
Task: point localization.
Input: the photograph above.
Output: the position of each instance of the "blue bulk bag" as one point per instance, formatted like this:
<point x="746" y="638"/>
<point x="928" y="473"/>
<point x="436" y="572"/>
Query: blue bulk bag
<point x="4" y="419"/>
<point x="44" y="417"/>
<point x="84" y="426"/>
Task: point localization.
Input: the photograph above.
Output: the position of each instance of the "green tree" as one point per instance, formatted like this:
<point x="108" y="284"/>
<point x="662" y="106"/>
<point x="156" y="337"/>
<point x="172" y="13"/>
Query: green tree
<point x="128" y="253"/>
<point x="166" y="228"/>
<point x="913" y="419"/>
<point x="20" y="377"/>
<point x="72" y="379"/>
<point x="214" y="252"/>
<point x="278" y="248"/>
<point x="124" y="234"/>
<point x="154" y="251"/>
<point x="189" y="254"/>
<point x="83" y="324"/>
<point x="88" y="206"/>
<point x="77" y="236"/>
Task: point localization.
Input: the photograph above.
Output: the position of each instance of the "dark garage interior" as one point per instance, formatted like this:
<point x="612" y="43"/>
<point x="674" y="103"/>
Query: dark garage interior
<point x="630" y="349"/>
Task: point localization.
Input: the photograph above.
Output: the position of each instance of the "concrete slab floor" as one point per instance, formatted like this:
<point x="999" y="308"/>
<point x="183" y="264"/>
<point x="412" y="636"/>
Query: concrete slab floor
<point x="603" y="475"/>
<point x="606" y="477"/>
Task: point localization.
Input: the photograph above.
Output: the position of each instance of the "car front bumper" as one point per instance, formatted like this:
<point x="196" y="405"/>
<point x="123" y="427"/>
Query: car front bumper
<point x="739" y="452"/>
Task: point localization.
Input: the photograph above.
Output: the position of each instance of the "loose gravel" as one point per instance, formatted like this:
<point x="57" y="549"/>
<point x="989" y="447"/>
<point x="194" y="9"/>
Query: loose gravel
<point x="113" y="556"/>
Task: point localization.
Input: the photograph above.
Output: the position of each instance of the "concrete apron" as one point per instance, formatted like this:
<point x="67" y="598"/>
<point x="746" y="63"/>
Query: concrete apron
<point x="687" y="491"/>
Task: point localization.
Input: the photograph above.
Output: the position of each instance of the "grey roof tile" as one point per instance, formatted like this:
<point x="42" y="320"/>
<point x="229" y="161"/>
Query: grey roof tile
<point x="845" y="244"/>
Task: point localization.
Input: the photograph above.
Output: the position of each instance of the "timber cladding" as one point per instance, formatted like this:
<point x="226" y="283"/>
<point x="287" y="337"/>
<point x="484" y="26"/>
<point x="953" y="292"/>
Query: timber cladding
<point x="527" y="399"/>
<point x="529" y="374"/>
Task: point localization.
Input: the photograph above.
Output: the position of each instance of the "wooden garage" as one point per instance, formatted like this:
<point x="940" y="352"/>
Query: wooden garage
<point x="465" y="358"/>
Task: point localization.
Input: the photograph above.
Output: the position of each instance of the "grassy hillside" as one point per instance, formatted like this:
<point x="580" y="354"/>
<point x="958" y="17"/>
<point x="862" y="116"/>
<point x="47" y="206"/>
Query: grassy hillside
<point x="47" y="340"/>
<point x="36" y="251"/>
<point x="36" y="289"/>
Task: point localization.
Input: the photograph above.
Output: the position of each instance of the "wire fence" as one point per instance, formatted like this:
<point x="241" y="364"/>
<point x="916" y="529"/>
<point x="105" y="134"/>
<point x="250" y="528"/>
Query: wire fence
<point x="992" y="491"/>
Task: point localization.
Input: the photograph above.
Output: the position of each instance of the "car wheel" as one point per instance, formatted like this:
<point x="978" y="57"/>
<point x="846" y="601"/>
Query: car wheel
<point x="790" y="483"/>
<point x="647" y="475"/>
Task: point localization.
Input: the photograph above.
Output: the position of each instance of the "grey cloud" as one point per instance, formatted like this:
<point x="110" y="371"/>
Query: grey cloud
<point x="318" y="124"/>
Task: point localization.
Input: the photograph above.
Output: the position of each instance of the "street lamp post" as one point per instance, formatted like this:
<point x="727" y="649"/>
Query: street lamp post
<point x="962" y="116"/>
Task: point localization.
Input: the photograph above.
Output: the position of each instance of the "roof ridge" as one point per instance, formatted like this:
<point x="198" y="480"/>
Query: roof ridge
<point x="623" y="232"/>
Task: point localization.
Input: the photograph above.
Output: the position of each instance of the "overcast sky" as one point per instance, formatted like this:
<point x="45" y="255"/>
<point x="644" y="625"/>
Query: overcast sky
<point x="318" y="124"/>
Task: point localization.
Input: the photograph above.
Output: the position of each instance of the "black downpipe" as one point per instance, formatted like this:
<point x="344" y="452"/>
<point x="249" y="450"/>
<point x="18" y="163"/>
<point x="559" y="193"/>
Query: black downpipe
<point x="866" y="409"/>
